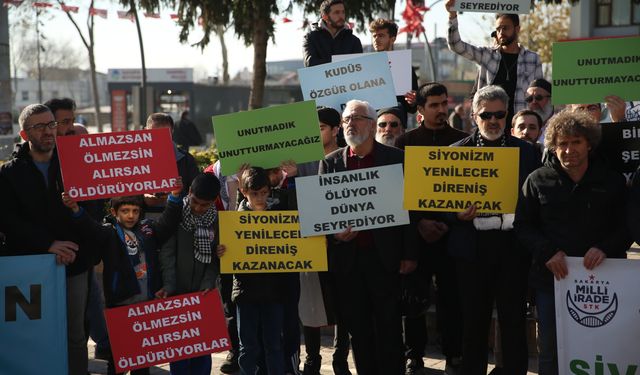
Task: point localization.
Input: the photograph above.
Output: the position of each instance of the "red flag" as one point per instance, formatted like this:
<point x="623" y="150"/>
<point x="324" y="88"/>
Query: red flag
<point x="69" y="8"/>
<point x="98" y="12"/>
<point x="152" y="15"/>
<point x="413" y="16"/>
<point x="286" y="20"/>
<point x="41" y="4"/>
<point x="123" y="14"/>
<point x="174" y="17"/>
<point x="12" y="2"/>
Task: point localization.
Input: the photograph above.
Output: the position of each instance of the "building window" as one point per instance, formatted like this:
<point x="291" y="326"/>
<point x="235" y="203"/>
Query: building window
<point x="617" y="12"/>
<point x="25" y="95"/>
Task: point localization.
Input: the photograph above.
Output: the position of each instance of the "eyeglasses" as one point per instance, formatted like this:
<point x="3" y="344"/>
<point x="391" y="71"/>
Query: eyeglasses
<point x="487" y="115"/>
<point x="393" y="124"/>
<point x="42" y="125"/>
<point x="66" y="121"/>
<point x="347" y="119"/>
<point x="537" y="98"/>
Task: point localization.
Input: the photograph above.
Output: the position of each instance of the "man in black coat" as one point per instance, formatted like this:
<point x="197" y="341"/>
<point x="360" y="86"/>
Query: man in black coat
<point x="572" y="206"/>
<point x="329" y="36"/>
<point x="35" y="221"/>
<point x="367" y="264"/>
<point x="490" y="265"/>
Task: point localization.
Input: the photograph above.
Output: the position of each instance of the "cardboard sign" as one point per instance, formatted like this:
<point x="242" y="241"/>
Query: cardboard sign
<point x="364" y="198"/>
<point x="117" y="164"/>
<point x="166" y="330"/>
<point x="268" y="241"/>
<point x="587" y="71"/>
<point x="597" y="316"/>
<point x="620" y="146"/>
<point x="268" y="136"/>
<point x="493" y="6"/>
<point x="33" y="304"/>
<point x="364" y="78"/>
<point x="452" y="178"/>
<point x="399" y="62"/>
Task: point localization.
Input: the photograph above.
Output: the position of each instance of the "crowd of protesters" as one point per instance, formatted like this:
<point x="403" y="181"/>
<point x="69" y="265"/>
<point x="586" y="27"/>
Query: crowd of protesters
<point x="571" y="202"/>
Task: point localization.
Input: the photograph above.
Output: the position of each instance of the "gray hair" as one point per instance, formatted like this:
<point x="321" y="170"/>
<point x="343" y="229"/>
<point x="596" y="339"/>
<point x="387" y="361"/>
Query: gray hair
<point x="489" y="94"/>
<point x="572" y="124"/>
<point x="31" y="110"/>
<point x="371" y="113"/>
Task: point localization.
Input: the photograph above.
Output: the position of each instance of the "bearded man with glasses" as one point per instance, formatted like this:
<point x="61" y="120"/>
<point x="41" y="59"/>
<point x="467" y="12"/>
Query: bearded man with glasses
<point x="490" y="265"/>
<point x="392" y="123"/>
<point x="35" y="221"/>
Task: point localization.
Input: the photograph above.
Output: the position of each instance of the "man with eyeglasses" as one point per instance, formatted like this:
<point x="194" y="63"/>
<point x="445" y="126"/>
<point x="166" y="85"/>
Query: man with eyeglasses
<point x="367" y="264"/>
<point x="490" y="266"/>
<point x="64" y="112"/>
<point x="538" y="99"/>
<point x="508" y="65"/>
<point x="35" y="221"/>
<point x="432" y="100"/>
<point x="614" y="104"/>
<point x="392" y="123"/>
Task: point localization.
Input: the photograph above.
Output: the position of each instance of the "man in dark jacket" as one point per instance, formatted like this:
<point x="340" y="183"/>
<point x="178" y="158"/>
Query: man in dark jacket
<point x="433" y="104"/>
<point x="489" y="264"/>
<point x="572" y="206"/>
<point x="330" y="36"/>
<point x="35" y="221"/>
<point x="367" y="264"/>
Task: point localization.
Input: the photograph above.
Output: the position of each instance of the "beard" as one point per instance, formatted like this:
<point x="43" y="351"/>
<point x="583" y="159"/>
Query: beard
<point x="545" y="112"/>
<point x="508" y="40"/>
<point x="355" y="140"/>
<point x="386" y="139"/>
<point x="492" y="135"/>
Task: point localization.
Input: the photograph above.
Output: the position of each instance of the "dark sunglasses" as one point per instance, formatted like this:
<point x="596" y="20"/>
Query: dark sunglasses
<point x="393" y="124"/>
<point x="487" y="115"/>
<point x="538" y="98"/>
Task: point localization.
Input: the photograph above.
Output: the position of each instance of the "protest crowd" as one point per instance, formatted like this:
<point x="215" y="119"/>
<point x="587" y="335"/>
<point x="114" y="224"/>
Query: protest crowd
<point x="378" y="283"/>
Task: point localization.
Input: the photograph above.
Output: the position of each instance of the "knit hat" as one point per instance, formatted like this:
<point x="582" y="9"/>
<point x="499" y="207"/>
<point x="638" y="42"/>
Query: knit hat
<point x="542" y="83"/>
<point x="396" y="111"/>
<point x="329" y="116"/>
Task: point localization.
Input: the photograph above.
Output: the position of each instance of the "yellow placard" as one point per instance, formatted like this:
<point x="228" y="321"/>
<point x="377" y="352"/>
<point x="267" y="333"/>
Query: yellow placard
<point x="451" y="178"/>
<point x="268" y="241"/>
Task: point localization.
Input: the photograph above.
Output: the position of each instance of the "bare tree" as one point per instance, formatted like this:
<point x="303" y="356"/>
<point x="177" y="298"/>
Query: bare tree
<point x="89" y="43"/>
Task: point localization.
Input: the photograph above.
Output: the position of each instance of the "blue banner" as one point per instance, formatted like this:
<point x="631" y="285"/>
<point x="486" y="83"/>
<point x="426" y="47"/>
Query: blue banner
<point x="33" y="315"/>
<point x="364" y="78"/>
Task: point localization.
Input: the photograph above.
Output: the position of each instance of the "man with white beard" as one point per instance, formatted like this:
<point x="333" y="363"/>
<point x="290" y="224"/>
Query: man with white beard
<point x="367" y="264"/>
<point x="538" y="99"/>
<point x="392" y="123"/>
<point x="490" y="267"/>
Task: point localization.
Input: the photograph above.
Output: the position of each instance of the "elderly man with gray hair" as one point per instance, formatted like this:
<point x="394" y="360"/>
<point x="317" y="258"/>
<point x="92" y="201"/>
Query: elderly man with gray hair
<point x="489" y="264"/>
<point x="572" y="206"/>
<point x="367" y="264"/>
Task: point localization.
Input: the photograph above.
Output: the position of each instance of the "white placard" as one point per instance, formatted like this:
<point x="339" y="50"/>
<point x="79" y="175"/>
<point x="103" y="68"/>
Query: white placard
<point x="364" y="198"/>
<point x="493" y="6"/>
<point x="400" y="64"/>
<point x="598" y="318"/>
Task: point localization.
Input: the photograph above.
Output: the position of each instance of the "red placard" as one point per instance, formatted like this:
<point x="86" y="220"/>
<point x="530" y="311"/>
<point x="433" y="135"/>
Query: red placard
<point x="166" y="330"/>
<point x="117" y="164"/>
<point x="118" y="110"/>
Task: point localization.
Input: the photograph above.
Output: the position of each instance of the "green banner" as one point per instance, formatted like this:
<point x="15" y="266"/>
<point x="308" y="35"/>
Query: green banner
<point x="587" y="71"/>
<point x="266" y="137"/>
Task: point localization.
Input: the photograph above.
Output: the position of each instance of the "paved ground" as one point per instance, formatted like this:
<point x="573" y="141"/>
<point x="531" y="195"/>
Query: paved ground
<point x="434" y="361"/>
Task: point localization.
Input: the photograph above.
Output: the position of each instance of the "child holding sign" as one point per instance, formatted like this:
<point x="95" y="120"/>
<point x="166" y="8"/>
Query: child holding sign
<point x="130" y="249"/>
<point x="188" y="260"/>
<point x="259" y="297"/>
